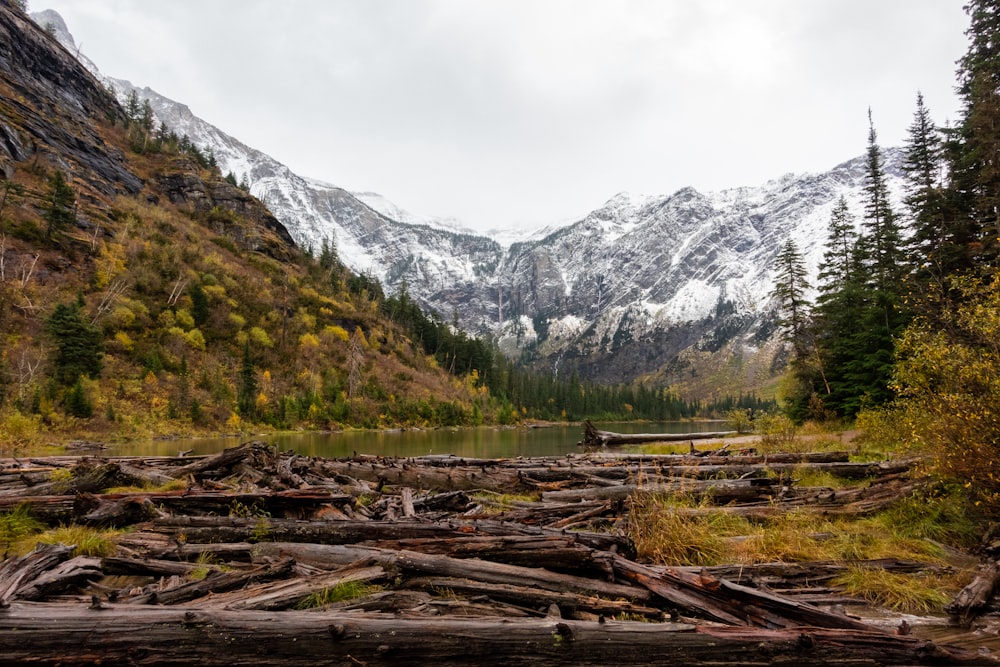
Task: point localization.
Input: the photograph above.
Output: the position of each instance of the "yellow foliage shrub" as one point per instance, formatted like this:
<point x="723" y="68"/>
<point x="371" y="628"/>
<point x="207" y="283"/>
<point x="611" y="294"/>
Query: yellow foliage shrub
<point x="948" y="381"/>
<point x="337" y="332"/>
<point x="260" y="337"/>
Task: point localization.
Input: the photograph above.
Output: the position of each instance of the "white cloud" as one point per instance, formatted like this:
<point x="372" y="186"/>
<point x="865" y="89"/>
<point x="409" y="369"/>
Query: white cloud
<point x="523" y="112"/>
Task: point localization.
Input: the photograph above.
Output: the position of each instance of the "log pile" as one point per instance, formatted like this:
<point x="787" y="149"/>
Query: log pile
<point x="273" y="558"/>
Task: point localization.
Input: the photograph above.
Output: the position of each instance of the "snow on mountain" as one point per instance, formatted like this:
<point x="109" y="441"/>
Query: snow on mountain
<point x="617" y="294"/>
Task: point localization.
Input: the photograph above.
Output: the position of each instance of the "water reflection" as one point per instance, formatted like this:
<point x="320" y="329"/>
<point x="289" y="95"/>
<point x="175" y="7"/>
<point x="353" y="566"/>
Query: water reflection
<point x="484" y="442"/>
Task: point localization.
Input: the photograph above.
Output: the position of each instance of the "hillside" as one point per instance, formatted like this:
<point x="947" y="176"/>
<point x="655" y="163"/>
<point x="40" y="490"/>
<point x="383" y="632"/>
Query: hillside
<point x="142" y="293"/>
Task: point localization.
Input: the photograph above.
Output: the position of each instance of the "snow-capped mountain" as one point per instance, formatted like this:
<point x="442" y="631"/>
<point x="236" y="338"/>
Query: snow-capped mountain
<point x="635" y="289"/>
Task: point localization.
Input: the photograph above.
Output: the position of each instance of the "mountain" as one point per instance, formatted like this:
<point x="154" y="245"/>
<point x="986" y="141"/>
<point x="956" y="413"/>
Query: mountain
<point x="667" y="288"/>
<point x="142" y="293"/>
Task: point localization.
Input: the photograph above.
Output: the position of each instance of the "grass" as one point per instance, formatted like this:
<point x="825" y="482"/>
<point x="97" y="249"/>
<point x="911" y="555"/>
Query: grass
<point x="663" y="533"/>
<point x="348" y="590"/>
<point x="495" y="503"/>
<point x="88" y="541"/>
<point x="172" y="485"/>
<point x="16" y="526"/>
<point x="811" y="476"/>
<point x="908" y="593"/>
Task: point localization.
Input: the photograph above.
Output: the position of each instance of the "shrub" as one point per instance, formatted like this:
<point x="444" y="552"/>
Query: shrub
<point x="948" y="383"/>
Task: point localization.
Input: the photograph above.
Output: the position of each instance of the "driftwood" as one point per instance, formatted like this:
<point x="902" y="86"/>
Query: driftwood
<point x="213" y="573"/>
<point x="592" y="437"/>
<point x="74" y="634"/>
<point x="972" y="600"/>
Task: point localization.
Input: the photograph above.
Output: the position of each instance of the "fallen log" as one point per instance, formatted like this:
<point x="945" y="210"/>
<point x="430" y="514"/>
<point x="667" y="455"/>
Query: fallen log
<point x="263" y="529"/>
<point x="730" y="603"/>
<point x="16" y="573"/>
<point x="593" y="437"/>
<point x="973" y="599"/>
<point x="76" y="634"/>
<point x="720" y="491"/>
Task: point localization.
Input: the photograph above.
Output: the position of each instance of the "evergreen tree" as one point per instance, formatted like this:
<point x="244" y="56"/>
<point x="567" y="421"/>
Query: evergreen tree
<point x="790" y="289"/>
<point x="60" y="204"/>
<point x="922" y="165"/>
<point x="132" y="108"/>
<point x="882" y="241"/>
<point x="838" y="264"/>
<point x="77" y="402"/>
<point x="976" y="164"/>
<point x="246" y="386"/>
<point x="79" y="346"/>
<point x="791" y="286"/>
<point x="199" y="305"/>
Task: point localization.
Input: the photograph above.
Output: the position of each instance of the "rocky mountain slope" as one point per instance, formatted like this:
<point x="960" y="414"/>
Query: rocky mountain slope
<point x="661" y="288"/>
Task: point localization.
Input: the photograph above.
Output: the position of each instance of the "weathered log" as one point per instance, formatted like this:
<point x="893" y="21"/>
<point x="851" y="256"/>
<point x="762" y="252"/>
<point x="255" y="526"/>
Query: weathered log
<point x="215" y="582"/>
<point x="720" y="491"/>
<point x="593" y="437"/>
<point x="148" y="567"/>
<point x="261" y="529"/>
<point x="74" y="634"/>
<point x="121" y="512"/>
<point x="16" y="573"/>
<point x="571" y="605"/>
<point x="560" y="553"/>
<point x="226" y="459"/>
<point x="60" y="578"/>
<point x="972" y="600"/>
<point x="730" y="603"/>
<point x="279" y="595"/>
<point x="87" y="478"/>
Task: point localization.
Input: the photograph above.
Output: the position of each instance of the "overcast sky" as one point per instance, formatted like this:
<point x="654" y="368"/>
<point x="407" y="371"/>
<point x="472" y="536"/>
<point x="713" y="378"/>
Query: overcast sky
<point x="521" y="113"/>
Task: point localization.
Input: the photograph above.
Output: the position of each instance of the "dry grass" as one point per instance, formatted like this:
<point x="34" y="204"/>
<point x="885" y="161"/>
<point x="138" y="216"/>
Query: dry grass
<point x="87" y="541"/>
<point x="907" y="593"/>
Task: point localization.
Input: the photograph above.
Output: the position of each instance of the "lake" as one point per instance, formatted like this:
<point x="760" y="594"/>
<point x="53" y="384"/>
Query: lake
<point x="482" y="442"/>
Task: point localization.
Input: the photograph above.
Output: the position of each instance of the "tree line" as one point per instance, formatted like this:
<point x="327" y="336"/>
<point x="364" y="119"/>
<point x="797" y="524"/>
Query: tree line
<point x="903" y="333"/>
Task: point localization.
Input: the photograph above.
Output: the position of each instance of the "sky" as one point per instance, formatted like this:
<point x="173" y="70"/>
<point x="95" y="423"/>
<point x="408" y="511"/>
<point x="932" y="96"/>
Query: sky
<point x="523" y="113"/>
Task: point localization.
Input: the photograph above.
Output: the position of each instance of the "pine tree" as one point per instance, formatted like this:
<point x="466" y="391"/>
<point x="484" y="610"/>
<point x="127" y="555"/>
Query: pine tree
<point x="790" y="289"/>
<point x="924" y="199"/>
<point x="199" y="305"/>
<point x="246" y="387"/>
<point x="79" y="346"/>
<point x="882" y="241"/>
<point x="60" y="203"/>
<point x="976" y="165"/>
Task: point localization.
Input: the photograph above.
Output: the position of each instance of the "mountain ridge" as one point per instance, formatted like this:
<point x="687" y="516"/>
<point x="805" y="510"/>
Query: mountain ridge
<point x="624" y="293"/>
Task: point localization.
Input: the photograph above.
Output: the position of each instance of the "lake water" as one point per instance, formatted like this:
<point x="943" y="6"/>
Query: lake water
<point x="483" y="442"/>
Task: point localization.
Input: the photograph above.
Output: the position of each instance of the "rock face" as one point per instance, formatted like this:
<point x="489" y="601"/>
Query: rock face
<point x="655" y="288"/>
<point x="55" y="114"/>
<point x="48" y="109"/>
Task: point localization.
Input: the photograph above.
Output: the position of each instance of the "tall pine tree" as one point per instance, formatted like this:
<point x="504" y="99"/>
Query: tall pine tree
<point x="975" y="169"/>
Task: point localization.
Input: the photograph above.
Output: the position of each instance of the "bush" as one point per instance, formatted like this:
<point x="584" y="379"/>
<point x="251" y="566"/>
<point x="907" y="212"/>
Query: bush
<point x="948" y="383"/>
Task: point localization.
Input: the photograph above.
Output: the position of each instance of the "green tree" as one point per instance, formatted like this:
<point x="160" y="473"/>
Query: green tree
<point x="923" y="168"/>
<point x="59" y="210"/>
<point x="246" y="386"/>
<point x="79" y="346"/>
<point x="882" y="245"/>
<point x="790" y="289"/>
<point x="975" y="171"/>
<point x="199" y="305"/>
<point x="77" y="402"/>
